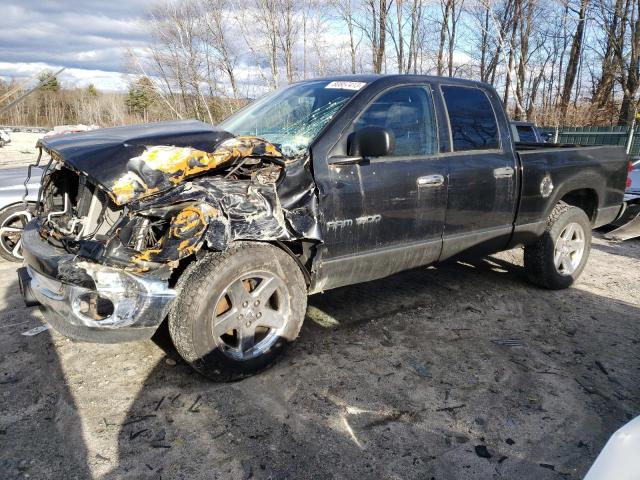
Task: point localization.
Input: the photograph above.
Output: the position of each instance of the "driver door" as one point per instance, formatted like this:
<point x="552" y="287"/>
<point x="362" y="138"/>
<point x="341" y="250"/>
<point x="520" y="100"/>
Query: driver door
<point x="386" y="214"/>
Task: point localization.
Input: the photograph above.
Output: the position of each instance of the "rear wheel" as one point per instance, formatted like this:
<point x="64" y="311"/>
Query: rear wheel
<point x="558" y="258"/>
<point x="237" y="310"/>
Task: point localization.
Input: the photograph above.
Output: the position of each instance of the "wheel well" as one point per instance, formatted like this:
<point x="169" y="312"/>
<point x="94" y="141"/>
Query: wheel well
<point x="585" y="199"/>
<point x="300" y="252"/>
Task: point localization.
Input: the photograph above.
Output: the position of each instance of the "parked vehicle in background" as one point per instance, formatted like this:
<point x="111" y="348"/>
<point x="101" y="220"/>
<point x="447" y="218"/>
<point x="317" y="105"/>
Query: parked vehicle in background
<point x="527" y="132"/>
<point x="226" y="230"/>
<point x="68" y="129"/>
<point x="628" y="225"/>
<point x="5" y="138"/>
<point x="14" y="213"/>
<point x="632" y="191"/>
<point x="619" y="458"/>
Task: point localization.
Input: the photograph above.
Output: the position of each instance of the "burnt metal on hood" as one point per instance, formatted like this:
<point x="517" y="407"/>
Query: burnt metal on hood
<point x="161" y="168"/>
<point x="103" y="154"/>
<point x="195" y="178"/>
<point x="277" y="204"/>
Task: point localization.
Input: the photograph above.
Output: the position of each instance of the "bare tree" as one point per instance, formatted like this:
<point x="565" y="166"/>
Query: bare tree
<point x="287" y="28"/>
<point x="574" y="58"/>
<point x="525" y="25"/>
<point x="346" y="14"/>
<point x="630" y="78"/>
<point x="446" y="6"/>
<point x="515" y="21"/>
<point x="215" y="20"/>
<point x="613" y="28"/>
<point x="374" y="27"/>
<point x="403" y="28"/>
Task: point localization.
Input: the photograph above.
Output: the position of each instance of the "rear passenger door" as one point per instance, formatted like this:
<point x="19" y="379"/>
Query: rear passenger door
<point x="482" y="190"/>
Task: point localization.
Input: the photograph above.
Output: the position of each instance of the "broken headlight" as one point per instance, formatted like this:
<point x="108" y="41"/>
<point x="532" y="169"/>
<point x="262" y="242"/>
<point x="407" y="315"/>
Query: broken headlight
<point x="119" y="297"/>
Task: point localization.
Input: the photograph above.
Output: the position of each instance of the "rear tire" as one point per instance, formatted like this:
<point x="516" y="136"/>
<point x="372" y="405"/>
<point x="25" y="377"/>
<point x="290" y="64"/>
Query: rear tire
<point x="237" y="310"/>
<point x="558" y="258"/>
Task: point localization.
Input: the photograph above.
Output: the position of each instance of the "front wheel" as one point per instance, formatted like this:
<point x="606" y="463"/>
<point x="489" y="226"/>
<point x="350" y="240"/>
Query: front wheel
<point x="558" y="258"/>
<point x="237" y="310"/>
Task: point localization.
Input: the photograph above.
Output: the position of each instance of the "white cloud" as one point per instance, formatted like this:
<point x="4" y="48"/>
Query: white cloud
<point x="90" y="38"/>
<point x="74" y="77"/>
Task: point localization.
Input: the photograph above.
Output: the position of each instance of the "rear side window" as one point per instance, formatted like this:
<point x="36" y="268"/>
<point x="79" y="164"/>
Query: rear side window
<point x="408" y="113"/>
<point x="473" y="123"/>
<point x="526" y="134"/>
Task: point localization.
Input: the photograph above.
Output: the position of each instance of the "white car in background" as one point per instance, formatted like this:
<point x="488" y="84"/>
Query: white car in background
<point x="14" y="212"/>
<point x="619" y="459"/>
<point x="4" y="137"/>
<point x="629" y="222"/>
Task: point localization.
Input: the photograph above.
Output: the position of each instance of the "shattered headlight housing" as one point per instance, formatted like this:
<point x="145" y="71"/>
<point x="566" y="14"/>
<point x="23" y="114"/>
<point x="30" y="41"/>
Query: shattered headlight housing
<point x="120" y="298"/>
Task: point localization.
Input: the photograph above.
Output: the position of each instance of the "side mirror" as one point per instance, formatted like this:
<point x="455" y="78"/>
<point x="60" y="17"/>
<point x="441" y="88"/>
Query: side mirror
<point x="371" y="142"/>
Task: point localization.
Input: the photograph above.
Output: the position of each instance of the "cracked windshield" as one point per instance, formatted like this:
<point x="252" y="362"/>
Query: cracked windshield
<point x="292" y="117"/>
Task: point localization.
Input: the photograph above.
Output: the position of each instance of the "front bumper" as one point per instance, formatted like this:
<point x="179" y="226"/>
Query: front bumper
<point x="138" y="303"/>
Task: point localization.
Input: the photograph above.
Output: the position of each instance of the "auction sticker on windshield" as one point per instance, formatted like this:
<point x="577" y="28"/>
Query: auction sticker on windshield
<point x="346" y="85"/>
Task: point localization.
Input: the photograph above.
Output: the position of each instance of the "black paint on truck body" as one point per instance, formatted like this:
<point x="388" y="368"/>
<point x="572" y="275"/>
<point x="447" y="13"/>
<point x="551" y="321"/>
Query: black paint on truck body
<point x="479" y="208"/>
<point x="350" y="219"/>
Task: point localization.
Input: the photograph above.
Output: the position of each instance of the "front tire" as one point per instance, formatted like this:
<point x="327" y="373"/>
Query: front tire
<point x="237" y="310"/>
<point x="558" y="258"/>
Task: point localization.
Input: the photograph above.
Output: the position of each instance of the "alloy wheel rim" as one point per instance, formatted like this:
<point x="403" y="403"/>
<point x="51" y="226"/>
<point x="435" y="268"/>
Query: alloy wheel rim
<point x="569" y="249"/>
<point x="250" y="315"/>
<point x="11" y="232"/>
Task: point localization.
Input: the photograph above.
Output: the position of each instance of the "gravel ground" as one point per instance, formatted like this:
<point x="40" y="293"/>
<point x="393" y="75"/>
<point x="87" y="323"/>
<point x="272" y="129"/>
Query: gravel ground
<point x="461" y="371"/>
<point x="21" y="151"/>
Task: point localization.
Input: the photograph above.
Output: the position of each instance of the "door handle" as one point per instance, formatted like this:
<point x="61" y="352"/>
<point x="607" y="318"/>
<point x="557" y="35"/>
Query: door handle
<point x="430" y="181"/>
<point x="503" y="172"/>
<point x="348" y="160"/>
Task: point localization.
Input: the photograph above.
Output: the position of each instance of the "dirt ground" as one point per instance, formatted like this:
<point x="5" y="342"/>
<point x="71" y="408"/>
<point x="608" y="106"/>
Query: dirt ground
<point x="21" y="151"/>
<point x="463" y="371"/>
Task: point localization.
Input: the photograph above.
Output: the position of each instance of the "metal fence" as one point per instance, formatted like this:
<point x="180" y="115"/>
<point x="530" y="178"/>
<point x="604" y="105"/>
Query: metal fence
<point x="622" y="136"/>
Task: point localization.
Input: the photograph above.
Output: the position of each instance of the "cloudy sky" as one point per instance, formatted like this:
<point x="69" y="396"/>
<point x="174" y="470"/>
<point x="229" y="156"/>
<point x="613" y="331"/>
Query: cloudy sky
<point x="89" y="37"/>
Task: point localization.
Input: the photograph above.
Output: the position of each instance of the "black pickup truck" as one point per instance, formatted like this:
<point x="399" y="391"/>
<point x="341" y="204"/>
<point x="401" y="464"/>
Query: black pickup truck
<point x="224" y="231"/>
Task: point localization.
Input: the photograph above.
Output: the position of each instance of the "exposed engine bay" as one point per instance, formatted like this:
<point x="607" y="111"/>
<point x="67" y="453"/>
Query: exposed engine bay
<point x="168" y="200"/>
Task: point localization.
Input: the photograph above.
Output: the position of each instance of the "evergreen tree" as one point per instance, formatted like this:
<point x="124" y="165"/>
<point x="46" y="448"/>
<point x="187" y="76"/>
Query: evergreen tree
<point x="92" y="91"/>
<point x="140" y="96"/>
<point x="52" y="85"/>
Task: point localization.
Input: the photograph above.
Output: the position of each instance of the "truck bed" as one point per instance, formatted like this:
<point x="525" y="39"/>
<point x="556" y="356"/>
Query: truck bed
<point x="598" y="170"/>
<point x="528" y="146"/>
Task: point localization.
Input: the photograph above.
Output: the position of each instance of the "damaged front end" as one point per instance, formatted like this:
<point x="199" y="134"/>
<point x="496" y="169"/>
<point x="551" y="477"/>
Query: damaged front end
<point x="108" y="235"/>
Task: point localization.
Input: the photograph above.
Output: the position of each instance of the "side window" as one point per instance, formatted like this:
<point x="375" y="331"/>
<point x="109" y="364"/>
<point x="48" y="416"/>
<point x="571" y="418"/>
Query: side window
<point x="408" y="113"/>
<point x="473" y="123"/>
<point x="526" y="134"/>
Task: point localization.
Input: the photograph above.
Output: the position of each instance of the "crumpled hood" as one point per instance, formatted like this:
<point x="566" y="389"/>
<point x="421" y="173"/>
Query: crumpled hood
<point x="104" y="154"/>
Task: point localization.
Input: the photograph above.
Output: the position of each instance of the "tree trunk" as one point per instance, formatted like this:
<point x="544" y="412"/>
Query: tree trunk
<point x="604" y="87"/>
<point x="512" y="49"/>
<point x="572" y="65"/>
<point x="484" y="44"/>
<point x="525" y="33"/>
<point x="382" y="30"/>
<point x="444" y="29"/>
<point x="630" y="86"/>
